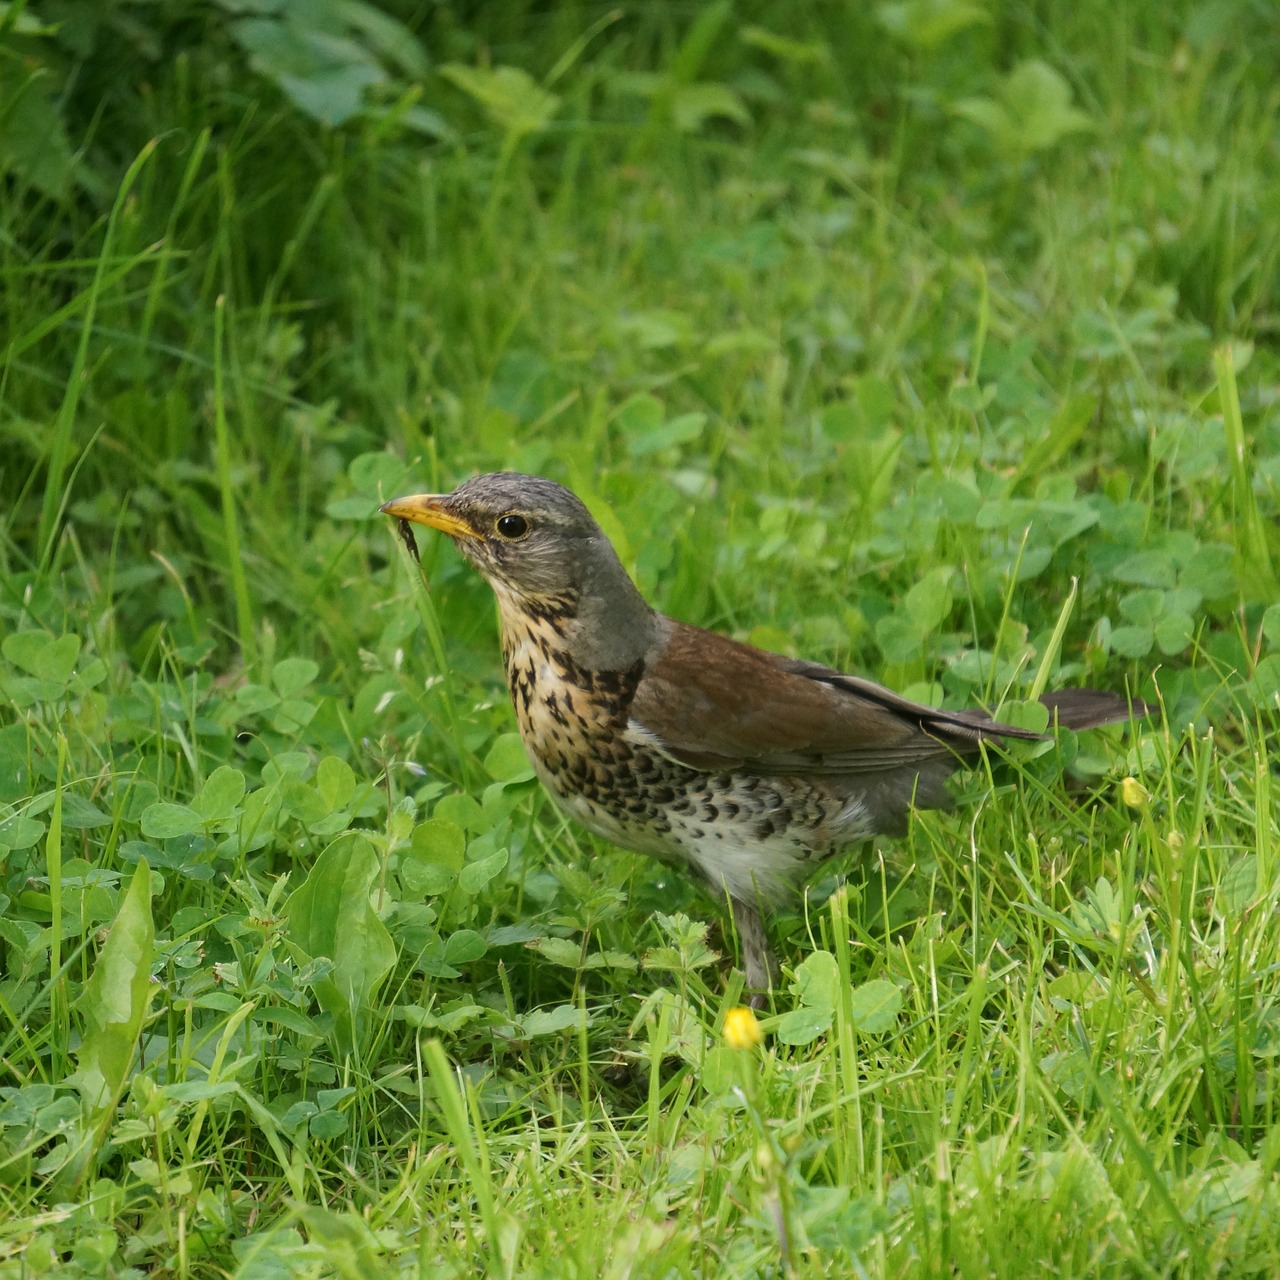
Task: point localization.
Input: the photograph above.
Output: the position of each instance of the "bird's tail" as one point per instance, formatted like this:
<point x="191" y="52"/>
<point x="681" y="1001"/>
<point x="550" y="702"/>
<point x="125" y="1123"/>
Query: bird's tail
<point x="1088" y="708"/>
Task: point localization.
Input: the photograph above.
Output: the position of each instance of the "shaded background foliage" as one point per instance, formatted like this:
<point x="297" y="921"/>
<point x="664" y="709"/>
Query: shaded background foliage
<point x="293" y="141"/>
<point x="335" y="171"/>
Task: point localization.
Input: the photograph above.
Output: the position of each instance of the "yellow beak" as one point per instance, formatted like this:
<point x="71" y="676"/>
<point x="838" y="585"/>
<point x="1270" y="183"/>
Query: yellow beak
<point x="429" y="509"/>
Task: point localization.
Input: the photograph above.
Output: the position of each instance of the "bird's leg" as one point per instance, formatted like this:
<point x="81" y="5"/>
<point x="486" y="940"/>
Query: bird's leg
<point x="757" y="959"/>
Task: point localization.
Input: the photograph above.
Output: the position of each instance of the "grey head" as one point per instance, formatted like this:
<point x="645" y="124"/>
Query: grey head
<point x="544" y="555"/>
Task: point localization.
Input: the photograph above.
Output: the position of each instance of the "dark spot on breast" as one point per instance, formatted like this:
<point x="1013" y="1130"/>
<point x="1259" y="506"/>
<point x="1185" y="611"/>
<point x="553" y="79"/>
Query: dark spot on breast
<point x="552" y="610"/>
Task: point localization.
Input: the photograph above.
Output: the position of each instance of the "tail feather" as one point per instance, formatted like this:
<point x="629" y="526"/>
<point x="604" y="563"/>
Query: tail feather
<point x="1088" y="708"/>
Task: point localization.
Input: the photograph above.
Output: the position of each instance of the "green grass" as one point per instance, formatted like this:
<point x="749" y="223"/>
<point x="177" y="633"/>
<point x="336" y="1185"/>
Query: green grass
<point x="866" y="332"/>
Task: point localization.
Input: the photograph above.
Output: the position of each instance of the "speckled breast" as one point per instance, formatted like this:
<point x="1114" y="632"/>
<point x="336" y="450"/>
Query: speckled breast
<point x="748" y="835"/>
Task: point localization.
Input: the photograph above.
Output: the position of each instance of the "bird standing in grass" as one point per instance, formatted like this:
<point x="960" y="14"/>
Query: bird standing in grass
<point x="749" y="767"/>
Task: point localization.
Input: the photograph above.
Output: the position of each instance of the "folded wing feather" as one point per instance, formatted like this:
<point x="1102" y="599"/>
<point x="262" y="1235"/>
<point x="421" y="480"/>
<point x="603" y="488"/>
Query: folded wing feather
<point x="713" y="703"/>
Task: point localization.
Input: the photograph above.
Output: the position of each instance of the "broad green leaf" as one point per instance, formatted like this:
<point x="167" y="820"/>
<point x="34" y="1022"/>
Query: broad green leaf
<point x="545" y="1022"/>
<point x="682" y="429"/>
<point x="1039" y="98"/>
<point x="507" y="760"/>
<point x="1183" y="599"/>
<point x="303" y="801"/>
<point x="292" y="715"/>
<point x="971" y="397"/>
<point x="610" y="959"/>
<point x="440" y="841"/>
<point x="875" y="1006"/>
<point x="351" y="509"/>
<point x="34" y="145"/>
<point x="335" y="781"/>
<point x="197" y="1090"/>
<point x="1075" y="988"/>
<point x="500" y="798"/>
<point x="116" y="998"/>
<point x="331" y="915"/>
<point x="426" y="879"/>
<point x="1146" y="569"/>
<point x="514" y="101"/>
<point x="389" y="39"/>
<point x="640" y="415"/>
<point x="1034" y="561"/>
<point x="899" y="638"/>
<point x="19" y="832"/>
<point x="464" y="946"/>
<point x="1239" y="886"/>
<point x="1132" y="642"/>
<point x="379" y="474"/>
<point x="1209" y="570"/>
<point x="42" y="656"/>
<point x="324" y="74"/>
<point x="140" y="794"/>
<point x="512" y="935"/>
<point x="562" y="951"/>
<point x="928" y="602"/>
<point x="1031" y="111"/>
<point x="475" y="875"/>
<point x="1005" y="513"/>
<point x="464" y="811"/>
<point x="652" y="330"/>
<point x="284" y="1015"/>
<point x="1174" y="631"/>
<point x="298" y="1114"/>
<point x="163" y="821"/>
<point x="1143" y="607"/>
<point x="80" y="814"/>
<point x="293" y="674"/>
<point x="328" y="1124"/>
<point x="450" y="1019"/>
<point x="873" y="458"/>
<point x="989" y="116"/>
<point x="255" y="698"/>
<point x="286" y="764"/>
<point x="222" y="792"/>
<point x="802" y="1026"/>
<point x="721" y="1069"/>
<point x="1067" y="522"/>
<point x="817" y="981"/>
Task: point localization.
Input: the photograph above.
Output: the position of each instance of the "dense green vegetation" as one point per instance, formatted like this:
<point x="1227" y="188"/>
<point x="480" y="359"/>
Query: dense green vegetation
<point x="935" y="339"/>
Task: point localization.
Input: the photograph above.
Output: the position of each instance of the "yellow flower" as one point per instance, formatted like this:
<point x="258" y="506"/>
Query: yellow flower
<point x="742" y="1028"/>
<point x="1134" y="794"/>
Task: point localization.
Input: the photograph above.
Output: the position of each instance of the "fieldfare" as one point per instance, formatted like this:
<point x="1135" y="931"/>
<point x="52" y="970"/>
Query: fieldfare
<point x="747" y="766"/>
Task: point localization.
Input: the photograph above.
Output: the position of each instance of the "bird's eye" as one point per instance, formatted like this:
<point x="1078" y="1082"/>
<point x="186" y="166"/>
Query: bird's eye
<point x="512" y="526"/>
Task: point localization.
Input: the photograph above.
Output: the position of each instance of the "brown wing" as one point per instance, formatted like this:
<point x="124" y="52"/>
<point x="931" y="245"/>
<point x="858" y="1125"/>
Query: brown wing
<point x="713" y="704"/>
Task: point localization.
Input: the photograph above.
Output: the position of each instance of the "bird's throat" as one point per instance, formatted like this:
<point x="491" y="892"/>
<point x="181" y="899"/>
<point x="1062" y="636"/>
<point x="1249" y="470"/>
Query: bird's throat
<point x="605" y="625"/>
